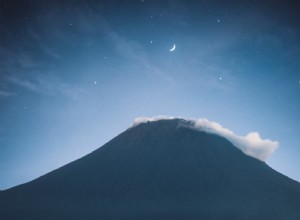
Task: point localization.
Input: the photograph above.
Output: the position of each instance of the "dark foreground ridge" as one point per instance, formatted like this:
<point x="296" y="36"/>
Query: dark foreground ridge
<point x="158" y="170"/>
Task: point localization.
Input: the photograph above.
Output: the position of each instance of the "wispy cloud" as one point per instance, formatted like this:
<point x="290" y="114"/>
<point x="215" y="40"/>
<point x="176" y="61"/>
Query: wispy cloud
<point x="24" y="83"/>
<point x="4" y="94"/>
<point x="49" y="86"/>
<point x="137" y="54"/>
<point x="251" y="144"/>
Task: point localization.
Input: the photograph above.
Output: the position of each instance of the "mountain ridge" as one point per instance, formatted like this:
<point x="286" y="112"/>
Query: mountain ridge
<point x="159" y="170"/>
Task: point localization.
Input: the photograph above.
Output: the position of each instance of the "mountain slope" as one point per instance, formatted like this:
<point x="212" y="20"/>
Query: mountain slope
<point x="158" y="170"/>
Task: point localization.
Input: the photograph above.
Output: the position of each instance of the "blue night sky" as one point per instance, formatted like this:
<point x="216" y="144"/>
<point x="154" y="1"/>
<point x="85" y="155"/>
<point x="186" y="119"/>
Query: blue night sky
<point x="73" y="75"/>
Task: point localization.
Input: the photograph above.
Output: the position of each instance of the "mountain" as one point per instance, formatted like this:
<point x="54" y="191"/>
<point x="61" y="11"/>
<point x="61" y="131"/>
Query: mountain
<point x="158" y="170"/>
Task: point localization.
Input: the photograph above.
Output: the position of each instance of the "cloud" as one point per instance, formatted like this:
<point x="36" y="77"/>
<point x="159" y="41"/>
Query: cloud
<point x="49" y="86"/>
<point x="140" y="120"/>
<point x="137" y="53"/>
<point x="251" y="144"/>
<point x="24" y="83"/>
<point x="4" y="94"/>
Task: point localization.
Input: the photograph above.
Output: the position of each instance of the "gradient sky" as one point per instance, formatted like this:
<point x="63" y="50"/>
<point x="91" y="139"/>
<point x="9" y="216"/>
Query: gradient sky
<point x="75" y="74"/>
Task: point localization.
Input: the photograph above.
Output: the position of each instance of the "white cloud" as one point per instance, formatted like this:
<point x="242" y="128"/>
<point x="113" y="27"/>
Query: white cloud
<point x="251" y="144"/>
<point x="140" y="120"/>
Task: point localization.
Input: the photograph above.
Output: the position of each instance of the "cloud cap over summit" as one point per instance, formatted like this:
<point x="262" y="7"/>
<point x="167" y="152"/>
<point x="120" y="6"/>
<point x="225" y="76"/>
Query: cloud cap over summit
<point x="251" y="144"/>
<point x="158" y="170"/>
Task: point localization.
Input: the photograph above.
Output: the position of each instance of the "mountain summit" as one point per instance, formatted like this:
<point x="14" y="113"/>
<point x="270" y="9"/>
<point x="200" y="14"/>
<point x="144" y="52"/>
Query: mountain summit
<point x="158" y="170"/>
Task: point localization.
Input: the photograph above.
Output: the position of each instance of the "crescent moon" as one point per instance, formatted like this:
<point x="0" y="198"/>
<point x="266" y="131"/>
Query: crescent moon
<point x="173" y="48"/>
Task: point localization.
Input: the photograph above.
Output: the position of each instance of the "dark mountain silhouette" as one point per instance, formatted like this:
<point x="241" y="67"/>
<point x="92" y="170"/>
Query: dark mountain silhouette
<point x="158" y="170"/>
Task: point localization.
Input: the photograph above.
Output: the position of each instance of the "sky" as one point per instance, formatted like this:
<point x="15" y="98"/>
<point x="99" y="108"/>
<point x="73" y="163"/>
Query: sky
<point x="75" y="74"/>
